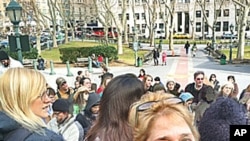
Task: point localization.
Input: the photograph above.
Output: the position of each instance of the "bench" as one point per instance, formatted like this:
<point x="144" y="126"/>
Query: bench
<point x="81" y="62"/>
<point x="29" y="63"/>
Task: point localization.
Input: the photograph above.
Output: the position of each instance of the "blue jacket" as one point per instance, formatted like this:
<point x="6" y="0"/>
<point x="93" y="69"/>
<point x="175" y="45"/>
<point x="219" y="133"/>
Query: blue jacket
<point x="7" y="125"/>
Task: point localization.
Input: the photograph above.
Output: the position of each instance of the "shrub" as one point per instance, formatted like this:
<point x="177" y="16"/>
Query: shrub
<point x="70" y="54"/>
<point x="32" y="54"/>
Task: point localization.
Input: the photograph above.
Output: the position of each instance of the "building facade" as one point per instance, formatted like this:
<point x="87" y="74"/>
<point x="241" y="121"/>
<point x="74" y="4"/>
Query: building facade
<point x="187" y="18"/>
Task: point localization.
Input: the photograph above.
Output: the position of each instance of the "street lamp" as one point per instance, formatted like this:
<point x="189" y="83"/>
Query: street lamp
<point x="14" y="12"/>
<point x="231" y="41"/>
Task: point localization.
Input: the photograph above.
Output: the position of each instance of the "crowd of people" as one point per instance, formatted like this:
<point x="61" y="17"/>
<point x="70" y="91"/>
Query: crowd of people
<point x="127" y="107"/>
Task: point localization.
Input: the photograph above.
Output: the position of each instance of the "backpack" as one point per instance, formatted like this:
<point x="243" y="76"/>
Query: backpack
<point x="20" y="133"/>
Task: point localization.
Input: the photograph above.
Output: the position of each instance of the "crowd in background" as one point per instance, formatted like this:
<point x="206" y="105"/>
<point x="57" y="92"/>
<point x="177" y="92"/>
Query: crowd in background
<point x="121" y="108"/>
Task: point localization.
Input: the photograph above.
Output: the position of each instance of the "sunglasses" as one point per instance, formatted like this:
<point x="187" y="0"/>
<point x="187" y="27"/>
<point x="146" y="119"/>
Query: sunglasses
<point x="44" y="95"/>
<point x="199" y="78"/>
<point x="147" y="105"/>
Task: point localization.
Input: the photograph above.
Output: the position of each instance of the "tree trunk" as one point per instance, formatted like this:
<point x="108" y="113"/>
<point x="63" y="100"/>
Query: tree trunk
<point x="119" y="44"/>
<point x="171" y="41"/>
<point x="241" y="34"/>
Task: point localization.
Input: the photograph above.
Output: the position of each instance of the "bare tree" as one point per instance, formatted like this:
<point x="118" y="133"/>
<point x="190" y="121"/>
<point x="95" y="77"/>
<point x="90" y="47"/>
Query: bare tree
<point x="217" y="5"/>
<point x="170" y="17"/>
<point x="109" y="7"/>
<point x="37" y="17"/>
<point x="150" y="7"/>
<point x="245" y="8"/>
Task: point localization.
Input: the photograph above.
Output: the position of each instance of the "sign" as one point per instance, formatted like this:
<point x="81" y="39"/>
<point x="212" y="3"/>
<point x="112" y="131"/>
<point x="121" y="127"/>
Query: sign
<point x="135" y="46"/>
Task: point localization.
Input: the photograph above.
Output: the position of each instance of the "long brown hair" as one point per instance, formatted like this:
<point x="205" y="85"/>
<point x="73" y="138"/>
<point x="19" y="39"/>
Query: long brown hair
<point x="112" y="123"/>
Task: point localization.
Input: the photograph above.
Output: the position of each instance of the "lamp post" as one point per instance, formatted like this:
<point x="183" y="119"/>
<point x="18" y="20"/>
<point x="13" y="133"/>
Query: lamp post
<point x="231" y="41"/>
<point x="14" y="12"/>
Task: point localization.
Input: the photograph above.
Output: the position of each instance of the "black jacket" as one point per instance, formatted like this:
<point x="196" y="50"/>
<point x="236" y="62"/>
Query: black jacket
<point x="86" y="118"/>
<point x="8" y="125"/>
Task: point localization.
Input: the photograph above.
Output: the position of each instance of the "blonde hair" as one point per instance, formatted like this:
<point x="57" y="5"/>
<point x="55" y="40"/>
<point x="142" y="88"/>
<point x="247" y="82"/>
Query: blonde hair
<point x="19" y="88"/>
<point x="145" y="119"/>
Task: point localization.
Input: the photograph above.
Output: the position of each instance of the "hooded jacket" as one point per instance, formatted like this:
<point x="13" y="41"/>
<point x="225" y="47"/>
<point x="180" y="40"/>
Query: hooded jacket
<point x="8" y="125"/>
<point x="86" y="118"/>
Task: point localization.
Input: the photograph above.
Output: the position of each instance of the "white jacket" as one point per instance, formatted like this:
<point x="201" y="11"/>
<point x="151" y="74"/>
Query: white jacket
<point x="70" y="129"/>
<point x="13" y="64"/>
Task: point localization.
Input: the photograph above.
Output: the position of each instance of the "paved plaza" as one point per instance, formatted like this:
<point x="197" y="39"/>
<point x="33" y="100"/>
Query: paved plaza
<point x="180" y="69"/>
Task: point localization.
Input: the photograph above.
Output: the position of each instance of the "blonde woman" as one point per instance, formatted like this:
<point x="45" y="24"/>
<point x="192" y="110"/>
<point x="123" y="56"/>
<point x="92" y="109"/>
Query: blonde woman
<point x="160" y="116"/>
<point x="24" y="103"/>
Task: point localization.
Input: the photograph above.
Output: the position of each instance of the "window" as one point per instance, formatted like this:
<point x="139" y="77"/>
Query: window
<point x="161" y="15"/>
<point x="238" y="12"/>
<point x="161" y="25"/>
<point x="143" y="26"/>
<point x="143" y="16"/>
<point x="206" y="27"/>
<point x="120" y="16"/>
<point x="207" y="0"/>
<point x="198" y="27"/>
<point x="120" y="3"/>
<point x="127" y="16"/>
<point x="225" y="26"/>
<point x="226" y="12"/>
<point x="161" y="1"/>
<point x="198" y="14"/>
<point x="137" y="16"/>
<point x="187" y="1"/>
<point x="207" y="13"/>
<point x="143" y="30"/>
<point x="218" y="25"/>
<point x="218" y="12"/>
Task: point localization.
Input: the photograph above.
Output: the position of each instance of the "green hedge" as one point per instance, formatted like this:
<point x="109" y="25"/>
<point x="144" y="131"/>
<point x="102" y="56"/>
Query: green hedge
<point x="70" y="54"/>
<point x="32" y="54"/>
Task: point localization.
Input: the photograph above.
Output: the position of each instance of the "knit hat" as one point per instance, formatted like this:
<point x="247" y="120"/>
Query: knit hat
<point x="216" y="121"/>
<point x="158" y="87"/>
<point x="60" y="81"/>
<point x="185" y="96"/>
<point x="157" y="78"/>
<point x="61" y="105"/>
<point x="3" y="55"/>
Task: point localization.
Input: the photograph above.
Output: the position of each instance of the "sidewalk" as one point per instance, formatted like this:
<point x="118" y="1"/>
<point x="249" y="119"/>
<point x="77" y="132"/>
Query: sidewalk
<point x="180" y="69"/>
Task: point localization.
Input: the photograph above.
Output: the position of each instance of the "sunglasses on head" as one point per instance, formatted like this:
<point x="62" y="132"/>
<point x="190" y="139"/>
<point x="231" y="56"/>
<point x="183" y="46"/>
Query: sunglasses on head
<point x="147" y="105"/>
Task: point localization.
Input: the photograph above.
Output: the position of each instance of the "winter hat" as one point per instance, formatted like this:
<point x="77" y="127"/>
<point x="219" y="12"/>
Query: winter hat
<point x="216" y="121"/>
<point x="159" y="87"/>
<point x="60" y="81"/>
<point x="3" y="55"/>
<point x="185" y="96"/>
<point x="61" y="105"/>
<point x="157" y="78"/>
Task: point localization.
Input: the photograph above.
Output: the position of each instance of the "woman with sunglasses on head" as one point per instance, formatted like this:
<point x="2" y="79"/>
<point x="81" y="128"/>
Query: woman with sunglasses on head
<point x="160" y="116"/>
<point x="112" y="122"/>
<point x="23" y="105"/>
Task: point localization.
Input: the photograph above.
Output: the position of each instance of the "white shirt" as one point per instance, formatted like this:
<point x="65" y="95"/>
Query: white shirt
<point x="13" y="64"/>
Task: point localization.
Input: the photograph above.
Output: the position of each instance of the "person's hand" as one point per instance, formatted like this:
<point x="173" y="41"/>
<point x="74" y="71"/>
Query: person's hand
<point x="82" y="90"/>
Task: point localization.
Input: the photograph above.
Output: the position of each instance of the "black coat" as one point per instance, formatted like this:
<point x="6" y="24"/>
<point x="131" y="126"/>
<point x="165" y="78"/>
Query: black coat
<point x="8" y="125"/>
